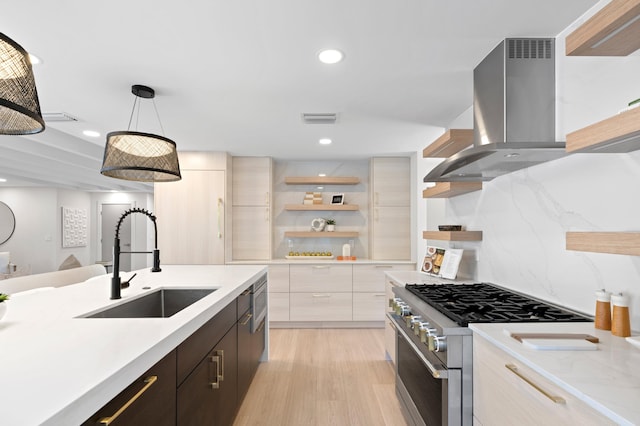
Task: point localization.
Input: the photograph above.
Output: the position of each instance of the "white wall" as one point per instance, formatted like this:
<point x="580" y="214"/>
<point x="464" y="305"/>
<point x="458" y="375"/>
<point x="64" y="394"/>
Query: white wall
<point x="524" y="215"/>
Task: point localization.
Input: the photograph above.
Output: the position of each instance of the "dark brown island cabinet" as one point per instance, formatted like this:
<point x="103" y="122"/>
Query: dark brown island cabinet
<point x="201" y="382"/>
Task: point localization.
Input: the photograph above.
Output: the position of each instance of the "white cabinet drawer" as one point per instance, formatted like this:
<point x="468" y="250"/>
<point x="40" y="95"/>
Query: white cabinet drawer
<point x="278" y="306"/>
<point x="278" y="278"/>
<point x="368" y="278"/>
<point x="369" y="306"/>
<point x="320" y="306"/>
<point x="320" y="278"/>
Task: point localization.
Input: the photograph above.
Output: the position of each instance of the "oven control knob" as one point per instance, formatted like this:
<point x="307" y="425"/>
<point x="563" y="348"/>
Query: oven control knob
<point x="420" y="326"/>
<point x="425" y="333"/>
<point x="394" y="301"/>
<point x="437" y="343"/>
<point x="412" y="320"/>
<point x="397" y="306"/>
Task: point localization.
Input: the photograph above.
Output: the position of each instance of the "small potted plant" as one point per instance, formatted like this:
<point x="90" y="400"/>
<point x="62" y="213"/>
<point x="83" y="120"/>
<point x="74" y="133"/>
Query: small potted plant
<point x="331" y="224"/>
<point x="3" y="306"/>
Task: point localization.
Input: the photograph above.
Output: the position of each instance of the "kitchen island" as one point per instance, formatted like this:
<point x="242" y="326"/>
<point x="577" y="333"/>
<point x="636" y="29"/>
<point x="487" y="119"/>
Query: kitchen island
<point x="59" y="368"/>
<point x="606" y="380"/>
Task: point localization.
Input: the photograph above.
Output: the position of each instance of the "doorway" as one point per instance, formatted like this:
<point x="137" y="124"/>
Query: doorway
<point x="109" y="215"/>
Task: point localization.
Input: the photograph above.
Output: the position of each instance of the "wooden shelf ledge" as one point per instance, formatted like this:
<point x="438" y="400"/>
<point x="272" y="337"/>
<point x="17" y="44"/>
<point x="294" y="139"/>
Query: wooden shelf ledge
<point x="612" y="31"/>
<point x="451" y="189"/>
<point x="452" y="142"/>
<point x="620" y="133"/>
<point x="452" y="235"/>
<point x="322" y="234"/>
<point x="321" y="207"/>
<point x="321" y="180"/>
<point x="604" y="242"/>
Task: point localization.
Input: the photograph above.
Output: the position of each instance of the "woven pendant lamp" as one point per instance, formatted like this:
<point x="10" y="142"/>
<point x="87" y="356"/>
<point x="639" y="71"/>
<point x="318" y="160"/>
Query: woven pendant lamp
<point x="137" y="156"/>
<point x="19" y="106"/>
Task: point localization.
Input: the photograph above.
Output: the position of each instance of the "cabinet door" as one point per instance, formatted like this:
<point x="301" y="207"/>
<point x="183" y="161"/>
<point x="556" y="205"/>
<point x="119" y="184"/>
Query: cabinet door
<point x="251" y="181"/>
<point x="320" y="278"/>
<point x="209" y="395"/>
<point x="191" y="218"/>
<point x="391" y="233"/>
<point x="152" y="399"/>
<point x="369" y="306"/>
<point x="321" y="307"/>
<point x="371" y="278"/>
<point x="391" y="181"/>
<point x="246" y="367"/>
<point x="279" y="306"/>
<point x="278" y="278"/>
<point x="251" y="228"/>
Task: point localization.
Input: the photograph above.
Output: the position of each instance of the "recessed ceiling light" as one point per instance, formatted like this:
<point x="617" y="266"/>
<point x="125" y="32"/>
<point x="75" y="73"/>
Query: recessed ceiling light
<point x="320" y="187"/>
<point x="325" y="141"/>
<point x="3" y="180"/>
<point x="91" y="133"/>
<point x="322" y="174"/>
<point x="330" y="56"/>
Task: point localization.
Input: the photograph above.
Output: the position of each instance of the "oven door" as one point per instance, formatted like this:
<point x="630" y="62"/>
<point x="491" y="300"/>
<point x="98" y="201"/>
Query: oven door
<point x="258" y="303"/>
<point x="428" y="390"/>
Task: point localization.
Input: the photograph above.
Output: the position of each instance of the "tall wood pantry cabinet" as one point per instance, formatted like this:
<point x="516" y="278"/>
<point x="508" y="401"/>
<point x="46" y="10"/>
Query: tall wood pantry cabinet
<point x="191" y="212"/>
<point x="390" y="222"/>
<point x="251" y="208"/>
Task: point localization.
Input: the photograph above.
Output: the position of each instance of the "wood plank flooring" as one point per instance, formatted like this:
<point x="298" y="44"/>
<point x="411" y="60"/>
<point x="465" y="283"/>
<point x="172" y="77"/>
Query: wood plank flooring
<point x="323" y="377"/>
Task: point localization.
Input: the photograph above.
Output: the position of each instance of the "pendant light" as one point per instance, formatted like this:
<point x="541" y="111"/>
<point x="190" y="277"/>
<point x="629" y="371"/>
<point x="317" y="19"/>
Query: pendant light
<point x="144" y="157"/>
<point x="19" y="107"/>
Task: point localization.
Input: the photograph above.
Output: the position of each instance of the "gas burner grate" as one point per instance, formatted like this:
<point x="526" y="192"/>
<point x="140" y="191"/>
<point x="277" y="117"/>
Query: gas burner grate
<point x="482" y="302"/>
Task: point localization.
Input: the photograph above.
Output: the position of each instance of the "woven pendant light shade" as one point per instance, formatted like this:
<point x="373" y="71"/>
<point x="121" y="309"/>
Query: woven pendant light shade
<point x="144" y="157"/>
<point x="140" y="156"/>
<point x="19" y="107"/>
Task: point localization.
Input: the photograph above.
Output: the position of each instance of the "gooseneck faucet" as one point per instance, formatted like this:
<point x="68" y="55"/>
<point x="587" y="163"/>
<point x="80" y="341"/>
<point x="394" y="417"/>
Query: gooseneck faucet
<point x="116" y="284"/>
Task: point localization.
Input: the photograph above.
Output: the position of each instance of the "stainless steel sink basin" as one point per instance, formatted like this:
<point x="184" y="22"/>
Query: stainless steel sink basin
<point x="161" y="303"/>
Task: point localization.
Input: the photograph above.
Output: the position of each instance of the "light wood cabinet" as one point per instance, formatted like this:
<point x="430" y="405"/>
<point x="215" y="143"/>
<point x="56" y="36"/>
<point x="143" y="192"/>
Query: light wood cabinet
<point x="371" y="277"/>
<point x="321" y="180"/>
<point x="278" y="293"/>
<point x="191" y="218"/>
<point x="390" y="220"/>
<point x="251" y="211"/>
<point x="321" y="306"/>
<point x="507" y="392"/>
<point x="320" y="278"/>
<point x="369" y="306"/>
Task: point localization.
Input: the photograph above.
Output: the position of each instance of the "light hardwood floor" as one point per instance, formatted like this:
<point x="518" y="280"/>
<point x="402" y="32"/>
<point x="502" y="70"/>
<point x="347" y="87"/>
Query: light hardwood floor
<point x="323" y="377"/>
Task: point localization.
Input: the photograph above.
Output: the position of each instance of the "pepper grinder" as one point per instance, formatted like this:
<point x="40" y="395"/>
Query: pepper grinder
<point x="621" y="325"/>
<point x="603" y="310"/>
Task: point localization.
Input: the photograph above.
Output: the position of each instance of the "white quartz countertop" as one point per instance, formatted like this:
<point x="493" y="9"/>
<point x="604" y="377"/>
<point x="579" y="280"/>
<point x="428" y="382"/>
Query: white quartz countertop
<point x="323" y="261"/>
<point x="607" y="379"/>
<point x="58" y="369"/>
<point x="400" y="278"/>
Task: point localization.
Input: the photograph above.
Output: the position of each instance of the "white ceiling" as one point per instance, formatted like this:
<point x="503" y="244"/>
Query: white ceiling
<point x="236" y="75"/>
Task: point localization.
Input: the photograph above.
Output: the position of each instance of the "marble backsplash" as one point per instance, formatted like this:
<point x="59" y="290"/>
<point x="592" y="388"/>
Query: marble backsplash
<point x="524" y="217"/>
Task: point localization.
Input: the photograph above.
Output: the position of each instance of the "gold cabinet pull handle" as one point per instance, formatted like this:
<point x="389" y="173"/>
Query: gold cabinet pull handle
<point x="247" y="320"/>
<point x="221" y="376"/>
<point x="149" y="381"/>
<point x="554" y="398"/>
<point x="261" y="327"/>
<point x="216" y="383"/>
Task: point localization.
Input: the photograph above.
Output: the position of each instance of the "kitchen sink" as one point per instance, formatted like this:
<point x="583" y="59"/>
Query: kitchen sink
<point x="162" y="303"/>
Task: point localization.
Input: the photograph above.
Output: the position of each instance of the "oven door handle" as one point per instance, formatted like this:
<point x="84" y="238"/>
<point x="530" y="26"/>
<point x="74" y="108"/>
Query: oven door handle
<point x="437" y="373"/>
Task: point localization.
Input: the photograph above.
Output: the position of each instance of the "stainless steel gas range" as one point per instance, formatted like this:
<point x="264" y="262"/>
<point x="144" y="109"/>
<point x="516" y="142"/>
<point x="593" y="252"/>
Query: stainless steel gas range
<point x="434" y="347"/>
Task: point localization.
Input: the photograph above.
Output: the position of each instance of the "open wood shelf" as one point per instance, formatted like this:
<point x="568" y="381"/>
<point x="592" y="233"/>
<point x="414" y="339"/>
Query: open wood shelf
<point x="321" y="207"/>
<point x="321" y="180"/>
<point x="612" y="31"/>
<point x="620" y="133"/>
<point x="452" y="142"/>
<point x="321" y="234"/>
<point x="451" y="189"/>
<point x="452" y="235"/>
<point x="604" y="242"/>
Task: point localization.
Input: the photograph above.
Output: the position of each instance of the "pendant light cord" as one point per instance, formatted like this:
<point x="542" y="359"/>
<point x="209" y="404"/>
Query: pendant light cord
<point x="133" y="110"/>
<point x="158" y="116"/>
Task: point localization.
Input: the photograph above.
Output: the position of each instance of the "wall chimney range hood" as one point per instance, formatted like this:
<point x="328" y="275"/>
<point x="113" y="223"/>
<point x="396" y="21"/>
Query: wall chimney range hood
<point x="513" y="114"/>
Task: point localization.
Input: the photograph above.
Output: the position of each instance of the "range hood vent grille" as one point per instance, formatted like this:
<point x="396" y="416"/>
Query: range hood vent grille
<point x="529" y="48"/>
<point x="319" y="117"/>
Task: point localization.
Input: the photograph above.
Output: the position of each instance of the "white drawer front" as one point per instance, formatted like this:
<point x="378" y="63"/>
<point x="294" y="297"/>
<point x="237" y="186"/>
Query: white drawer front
<point x="278" y="306"/>
<point x="369" y="306"/>
<point x="278" y="278"/>
<point x="320" y="278"/>
<point x="320" y="307"/>
<point x="369" y="278"/>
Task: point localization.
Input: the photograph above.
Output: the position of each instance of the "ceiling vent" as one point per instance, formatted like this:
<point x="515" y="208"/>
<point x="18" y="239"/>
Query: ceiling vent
<point x="319" y="118"/>
<point x="57" y="117"/>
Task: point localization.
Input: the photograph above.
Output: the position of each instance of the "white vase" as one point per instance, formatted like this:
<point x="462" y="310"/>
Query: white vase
<point x="331" y="228"/>
<point x="3" y="309"/>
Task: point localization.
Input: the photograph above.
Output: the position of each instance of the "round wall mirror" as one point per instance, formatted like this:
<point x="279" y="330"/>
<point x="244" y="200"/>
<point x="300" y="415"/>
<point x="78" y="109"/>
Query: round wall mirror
<point x="7" y="223"/>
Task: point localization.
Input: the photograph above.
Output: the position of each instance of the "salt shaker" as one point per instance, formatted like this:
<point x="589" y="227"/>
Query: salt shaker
<point x="620" y="325"/>
<point x="603" y="310"/>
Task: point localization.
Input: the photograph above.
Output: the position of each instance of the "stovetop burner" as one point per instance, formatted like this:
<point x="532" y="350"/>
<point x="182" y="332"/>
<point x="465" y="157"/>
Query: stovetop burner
<point x="482" y="302"/>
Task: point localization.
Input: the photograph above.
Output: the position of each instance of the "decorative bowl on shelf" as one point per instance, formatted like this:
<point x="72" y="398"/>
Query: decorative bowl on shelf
<point x="449" y="227"/>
